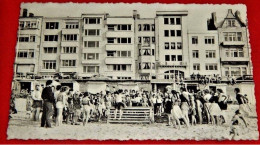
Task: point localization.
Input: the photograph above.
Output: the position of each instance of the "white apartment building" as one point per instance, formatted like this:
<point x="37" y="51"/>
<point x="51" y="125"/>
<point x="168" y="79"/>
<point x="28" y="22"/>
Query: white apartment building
<point x="204" y="54"/>
<point x="145" y="48"/>
<point x="120" y="48"/>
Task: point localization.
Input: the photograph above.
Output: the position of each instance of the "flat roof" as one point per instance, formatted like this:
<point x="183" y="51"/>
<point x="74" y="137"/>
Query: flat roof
<point x="172" y="13"/>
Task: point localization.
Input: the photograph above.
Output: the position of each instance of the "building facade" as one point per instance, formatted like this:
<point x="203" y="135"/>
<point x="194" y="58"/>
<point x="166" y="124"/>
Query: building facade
<point x="161" y="50"/>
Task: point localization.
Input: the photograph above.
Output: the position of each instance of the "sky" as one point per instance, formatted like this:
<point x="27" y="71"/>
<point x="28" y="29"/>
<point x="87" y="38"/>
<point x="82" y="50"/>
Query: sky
<point x="197" y="14"/>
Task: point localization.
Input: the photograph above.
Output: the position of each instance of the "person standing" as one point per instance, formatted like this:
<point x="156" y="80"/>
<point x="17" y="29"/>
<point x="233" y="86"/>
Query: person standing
<point x="60" y="104"/>
<point x="242" y="104"/>
<point x="48" y="100"/>
<point x="185" y="105"/>
<point x="37" y="102"/>
<point x="119" y="104"/>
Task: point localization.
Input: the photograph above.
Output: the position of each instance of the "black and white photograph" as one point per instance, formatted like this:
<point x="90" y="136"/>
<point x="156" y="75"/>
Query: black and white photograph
<point x="121" y="71"/>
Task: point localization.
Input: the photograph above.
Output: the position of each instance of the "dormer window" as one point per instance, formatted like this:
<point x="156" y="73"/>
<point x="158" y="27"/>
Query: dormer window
<point x="231" y="23"/>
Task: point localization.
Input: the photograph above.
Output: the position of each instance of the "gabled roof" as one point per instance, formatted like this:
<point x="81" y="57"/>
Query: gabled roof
<point x="230" y="14"/>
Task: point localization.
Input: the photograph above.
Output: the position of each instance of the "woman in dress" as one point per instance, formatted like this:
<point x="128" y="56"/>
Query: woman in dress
<point x="61" y="103"/>
<point x="168" y="108"/>
<point x="177" y="115"/>
<point x="214" y="110"/>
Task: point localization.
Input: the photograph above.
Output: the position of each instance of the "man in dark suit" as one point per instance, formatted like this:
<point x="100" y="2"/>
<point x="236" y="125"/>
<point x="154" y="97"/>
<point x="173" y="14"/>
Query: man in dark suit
<point x="48" y="99"/>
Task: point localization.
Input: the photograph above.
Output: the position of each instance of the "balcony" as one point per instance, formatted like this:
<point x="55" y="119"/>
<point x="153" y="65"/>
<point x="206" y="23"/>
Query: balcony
<point x="91" y="61"/>
<point x="119" y="60"/>
<point x="146" y="71"/>
<point x="173" y="64"/>
<point x="119" y="33"/>
<point x="25" y="61"/>
<point x="237" y="43"/>
<point x="114" y="47"/>
<point x="147" y="58"/>
<point x="68" y="69"/>
<point x="28" y="45"/>
<point x="234" y="59"/>
<point x="68" y="56"/>
<point x="69" y="43"/>
<point x="70" y="31"/>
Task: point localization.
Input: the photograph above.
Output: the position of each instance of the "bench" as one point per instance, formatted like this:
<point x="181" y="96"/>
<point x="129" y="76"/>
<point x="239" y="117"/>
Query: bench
<point x="132" y="115"/>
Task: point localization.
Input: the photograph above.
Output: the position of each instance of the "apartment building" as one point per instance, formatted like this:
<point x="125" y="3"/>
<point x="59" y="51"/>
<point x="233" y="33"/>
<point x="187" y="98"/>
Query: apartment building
<point x="145" y="47"/>
<point x="60" y="47"/>
<point x="94" y="41"/>
<point x="159" y="50"/>
<point x="233" y="44"/>
<point x="204" y="54"/>
<point x="27" y="48"/>
<point x="120" y="48"/>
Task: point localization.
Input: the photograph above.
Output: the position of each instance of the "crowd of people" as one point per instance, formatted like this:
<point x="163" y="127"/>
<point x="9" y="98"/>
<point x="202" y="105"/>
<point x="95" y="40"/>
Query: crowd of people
<point x="215" y="78"/>
<point x="63" y="105"/>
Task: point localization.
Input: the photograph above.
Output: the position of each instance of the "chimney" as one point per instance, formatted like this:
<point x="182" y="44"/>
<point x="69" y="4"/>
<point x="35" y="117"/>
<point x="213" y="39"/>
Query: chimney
<point x="24" y="13"/>
<point x="230" y="11"/>
<point x="31" y="15"/>
<point x="135" y="14"/>
<point x="214" y="17"/>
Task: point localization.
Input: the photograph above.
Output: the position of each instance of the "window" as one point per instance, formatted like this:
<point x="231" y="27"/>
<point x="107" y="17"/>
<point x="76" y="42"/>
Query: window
<point x="234" y="52"/>
<point x="179" y="45"/>
<point x="146" y="40"/>
<point x="92" y="20"/>
<point x="211" y="67"/>
<point x="166" y="20"/>
<point x="233" y="36"/>
<point x="52" y="25"/>
<point x="172" y="33"/>
<point x="146" y="27"/>
<point x="50" y="37"/>
<point x="124" y="27"/>
<point x="179" y="57"/>
<point x="91" y="44"/>
<point x="209" y="40"/>
<point x="27" y="38"/>
<point x="25" y="54"/>
<point x="28" y="24"/>
<point x="92" y="32"/>
<point x="167" y="57"/>
<point x="91" y="69"/>
<point x="110" y="40"/>
<point x="153" y="39"/>
<point x="68" y="63"/>
<point x="146" y="52"/>
<point x="119" y="67"/>
<point x="178" y="33"/>
<point x="49" y="64"/>
<point x="146" y="65"/>
<point x="69" y="49"/>
<point x="178" y="21"/>
<point x="153" y="27"/>
<point x="172" y="45"/>
<point x="123" y="53"/>
<point x="194" y="39"/>
<point x="111" y="53"/>
<point x="50" y="49"/>
<point x="72" y="25"/>
<point x="139" y="27"/>
<point x="123" y="40"/>
<point x="196" y="66"/>
<point x="173" y="57"/>
<point x="195" y="53"/>
<point x="70" y="37"/>
<point x="111" y="27"/>
<point x="210" y="54"/>
<point x="231" y="23"/>
<point x="166" y="45"/>
<point x="166" y="33"/>
<point x="91" y="56"/>
<point x="172" y="21"/>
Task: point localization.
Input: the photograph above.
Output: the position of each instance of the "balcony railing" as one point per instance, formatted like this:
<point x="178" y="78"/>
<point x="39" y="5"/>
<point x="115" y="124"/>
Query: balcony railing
<point x="173" y="64"/>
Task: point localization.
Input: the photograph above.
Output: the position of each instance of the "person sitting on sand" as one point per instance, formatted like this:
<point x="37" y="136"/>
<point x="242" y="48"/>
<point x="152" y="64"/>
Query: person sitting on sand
<point x="237" y="121"/>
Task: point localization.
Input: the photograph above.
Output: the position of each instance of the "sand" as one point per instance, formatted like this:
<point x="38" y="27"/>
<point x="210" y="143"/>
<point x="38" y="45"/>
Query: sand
<point x="21" y="127"/>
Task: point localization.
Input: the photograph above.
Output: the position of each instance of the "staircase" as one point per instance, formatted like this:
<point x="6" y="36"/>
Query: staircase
<point x="132" y="115"/>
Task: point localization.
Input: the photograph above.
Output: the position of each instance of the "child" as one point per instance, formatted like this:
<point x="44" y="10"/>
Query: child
<point x="29" y="102"/>
<point x="236" y="123"/>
